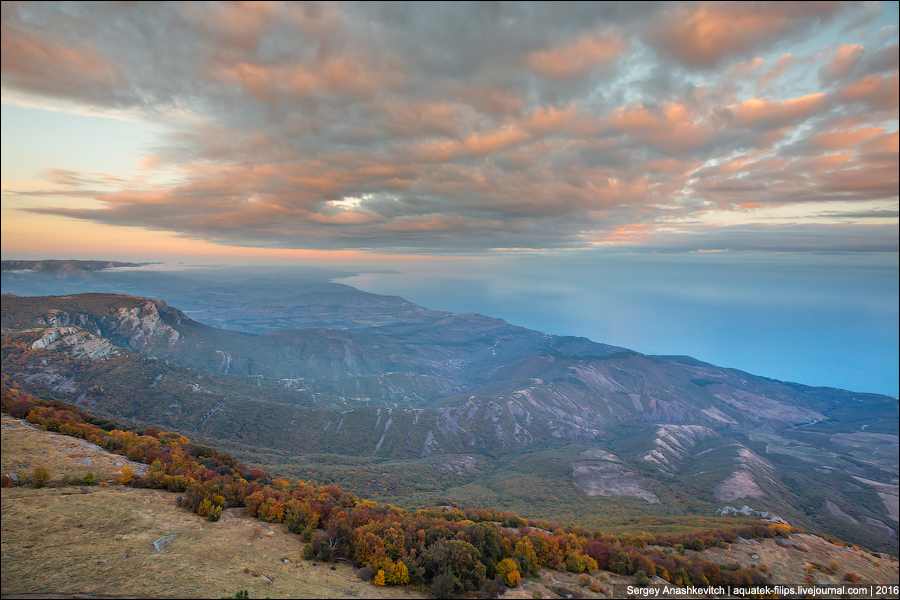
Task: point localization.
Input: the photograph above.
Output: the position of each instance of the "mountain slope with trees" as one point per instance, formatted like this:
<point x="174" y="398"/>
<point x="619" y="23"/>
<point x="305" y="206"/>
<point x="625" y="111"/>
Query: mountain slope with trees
<point x="480" y="389"/>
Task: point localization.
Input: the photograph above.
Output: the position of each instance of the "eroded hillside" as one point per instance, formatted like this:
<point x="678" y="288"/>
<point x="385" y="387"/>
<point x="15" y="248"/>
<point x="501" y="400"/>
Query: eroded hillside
<point x="439" y="384"/>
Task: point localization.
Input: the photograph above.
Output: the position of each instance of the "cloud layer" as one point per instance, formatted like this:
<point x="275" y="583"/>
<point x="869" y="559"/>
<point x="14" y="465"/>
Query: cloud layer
<point x="463" y="127"/>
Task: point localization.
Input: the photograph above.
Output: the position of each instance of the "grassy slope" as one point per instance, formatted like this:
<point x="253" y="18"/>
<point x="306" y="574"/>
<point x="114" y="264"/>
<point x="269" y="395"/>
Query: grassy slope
<point x="99" y="541"/>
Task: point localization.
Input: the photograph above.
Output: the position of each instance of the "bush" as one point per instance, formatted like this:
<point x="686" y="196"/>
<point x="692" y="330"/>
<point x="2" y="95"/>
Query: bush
<point x="508" y="570"/>
<point x="397" y="574"/>
<point x="512" y="579"/>
<point x="39" y="477"/>
<point x="325" y="552"/>
<point x="126" y="476"/>
<point x="575" y="563"/>
<point x="584" y="580"/>
<point x="493" y="588"/>
<point x="640" y="578"/>
<point x="308" y="552"/>
<point x="851" y="577"/>
<point x="89" y="479"/>
<point x="622" y="564"/>
<point x="442" y="586"/>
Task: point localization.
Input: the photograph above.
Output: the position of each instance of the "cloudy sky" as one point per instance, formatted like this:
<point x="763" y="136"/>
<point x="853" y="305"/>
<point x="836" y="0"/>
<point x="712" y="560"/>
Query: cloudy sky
<point x="343" y="132"/>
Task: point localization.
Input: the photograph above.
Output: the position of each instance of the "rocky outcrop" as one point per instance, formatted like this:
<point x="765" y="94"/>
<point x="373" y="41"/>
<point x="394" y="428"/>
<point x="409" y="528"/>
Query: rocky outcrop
<point x="77" y="342"/>
<point x="746" y="511"/>
<point x="144" y="326"/>
<point x="140" y="324"/>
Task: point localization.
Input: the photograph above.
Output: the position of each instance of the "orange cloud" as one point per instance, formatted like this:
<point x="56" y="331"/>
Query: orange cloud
<point x="240" y="24"/>
<point x="574" y="59"/>
<point x="844" y="139"/>
<point x="338" y="76"/>
<point x="38" y="64"/>
<point x="875" y="90"/>
<point x="703" y="35"/>
<point x="498" y="139"/>
<point x="437" y="150"/>
<point x="673" y="126"/>
<point x="843" y="60"/>
<point x="624" y="235"/>
<point x="886" y="143"/>
<point x="442" y="223"/>
<point x="549" y="120"/>
<point x="772" y="114"/>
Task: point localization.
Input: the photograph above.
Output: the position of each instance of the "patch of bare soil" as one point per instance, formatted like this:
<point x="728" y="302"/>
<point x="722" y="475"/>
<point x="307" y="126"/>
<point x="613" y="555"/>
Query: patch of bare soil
<point x="789" y="562"/>
<point x="889" y="494"/>
<point x="606" y="478"/>
<point x="556" y="584"/>
<point x="739" y="485"/>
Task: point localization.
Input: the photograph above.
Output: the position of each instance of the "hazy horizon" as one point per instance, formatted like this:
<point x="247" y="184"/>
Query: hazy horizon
<point x="816" y="320"/>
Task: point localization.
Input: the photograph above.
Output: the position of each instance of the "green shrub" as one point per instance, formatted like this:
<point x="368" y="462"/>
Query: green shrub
<point x="640" y="578"/>
<point x="308" y="552"/>
<point x="39" y="477"/>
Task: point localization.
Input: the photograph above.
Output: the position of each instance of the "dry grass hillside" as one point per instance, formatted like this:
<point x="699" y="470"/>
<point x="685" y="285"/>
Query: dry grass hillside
<point x="111" y="540"/>
<point x="99" y="540"/>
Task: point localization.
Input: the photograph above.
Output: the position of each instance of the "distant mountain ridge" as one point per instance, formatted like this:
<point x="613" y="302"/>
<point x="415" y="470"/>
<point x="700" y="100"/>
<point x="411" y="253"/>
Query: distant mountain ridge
<point x="63" y="267"/>
<point x="430" y="383"/>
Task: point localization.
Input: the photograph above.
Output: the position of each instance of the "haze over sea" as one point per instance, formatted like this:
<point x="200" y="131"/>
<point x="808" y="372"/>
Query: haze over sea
<point x="826" y="320"/>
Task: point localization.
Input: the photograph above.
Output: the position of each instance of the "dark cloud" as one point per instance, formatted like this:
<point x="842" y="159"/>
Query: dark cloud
<point x="462" y="126"/>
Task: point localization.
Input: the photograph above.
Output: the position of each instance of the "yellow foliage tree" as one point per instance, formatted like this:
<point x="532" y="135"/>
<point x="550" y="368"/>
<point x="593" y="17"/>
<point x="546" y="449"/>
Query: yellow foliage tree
<point x="575" y="562"/>
<point x="39" y="477"/>
<point x="528" y="557"/>
<point x="512" y="579"/>
<point x="379" y="578"/>
<point x="397" y="574"/>
<point x="127" y="475"/>
<point x="509" y="571"/>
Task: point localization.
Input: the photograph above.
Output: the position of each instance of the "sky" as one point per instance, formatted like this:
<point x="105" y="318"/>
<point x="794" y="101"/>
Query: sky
<point x="727" y="170"/>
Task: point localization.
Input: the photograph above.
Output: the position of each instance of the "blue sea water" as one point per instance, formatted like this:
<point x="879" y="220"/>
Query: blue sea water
<point x="817" y="319"/>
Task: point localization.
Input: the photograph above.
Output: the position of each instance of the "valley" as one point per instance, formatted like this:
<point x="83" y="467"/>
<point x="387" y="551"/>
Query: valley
<point x="106" y="539"/>
<point x="422" y="408"/>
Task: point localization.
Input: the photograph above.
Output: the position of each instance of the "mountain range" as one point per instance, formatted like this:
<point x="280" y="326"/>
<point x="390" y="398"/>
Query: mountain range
<point x="386" y="397"/>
